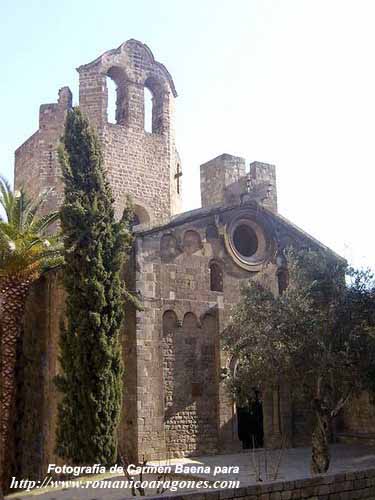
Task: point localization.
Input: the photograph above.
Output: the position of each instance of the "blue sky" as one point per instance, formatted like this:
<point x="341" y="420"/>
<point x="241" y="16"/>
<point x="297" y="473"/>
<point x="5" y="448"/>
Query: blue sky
<point x="287" y="82"/>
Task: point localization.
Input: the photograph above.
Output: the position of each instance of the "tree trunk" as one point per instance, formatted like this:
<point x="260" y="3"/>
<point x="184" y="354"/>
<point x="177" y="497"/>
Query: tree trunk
<point x="320" y="458"/>
<point x="13" y="296"/>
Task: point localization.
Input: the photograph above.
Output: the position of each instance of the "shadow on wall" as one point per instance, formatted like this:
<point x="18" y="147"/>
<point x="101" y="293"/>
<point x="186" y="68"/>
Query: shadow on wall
<point x="190" y="384"/>
<point x="36" y="393"/>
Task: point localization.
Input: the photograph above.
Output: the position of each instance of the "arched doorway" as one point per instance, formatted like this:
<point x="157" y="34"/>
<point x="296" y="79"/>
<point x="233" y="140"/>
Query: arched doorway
<point x="249" y="410"/>
<point x="250" y="420"/>
<point x="141" y="215"/>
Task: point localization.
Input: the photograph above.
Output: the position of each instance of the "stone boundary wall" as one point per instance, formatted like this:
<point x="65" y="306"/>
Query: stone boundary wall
<point x="343" y="486"/>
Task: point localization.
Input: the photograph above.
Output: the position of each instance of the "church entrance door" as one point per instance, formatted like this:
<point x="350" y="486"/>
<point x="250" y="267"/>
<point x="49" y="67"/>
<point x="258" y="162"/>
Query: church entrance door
<point x="250" y="421"/>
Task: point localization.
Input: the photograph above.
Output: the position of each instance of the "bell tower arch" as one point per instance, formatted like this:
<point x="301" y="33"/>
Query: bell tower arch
<point x="143" y="164"/>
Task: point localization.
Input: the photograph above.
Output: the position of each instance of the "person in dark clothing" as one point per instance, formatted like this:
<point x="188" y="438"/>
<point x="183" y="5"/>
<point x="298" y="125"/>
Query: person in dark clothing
<point x="258" y="417"/>
<point x="250" y="422"/>
<point x="244" y="423"/>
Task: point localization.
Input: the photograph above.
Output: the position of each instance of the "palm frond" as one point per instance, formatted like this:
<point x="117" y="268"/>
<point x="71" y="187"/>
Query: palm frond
<point x="32" y="211"/>
<point x="6" y="196"/>
<point x="25" y="250"/>
<point x="7" y="229"/>
<point x="21" y="206"/>
<point x="41" y="224"/>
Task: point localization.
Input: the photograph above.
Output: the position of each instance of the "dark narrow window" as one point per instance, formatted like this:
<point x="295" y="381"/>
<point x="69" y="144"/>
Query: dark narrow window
<point x="282" y="280"/>
<point x="216" y="277"/>
<point x="211" y="233"/>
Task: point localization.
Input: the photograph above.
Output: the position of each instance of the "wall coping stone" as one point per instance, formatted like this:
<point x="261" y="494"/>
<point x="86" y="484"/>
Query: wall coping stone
<point x="355" y="484"/>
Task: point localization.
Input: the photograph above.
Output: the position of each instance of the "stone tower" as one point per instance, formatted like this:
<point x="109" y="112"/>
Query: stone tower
<point x="143" y="164"/>
<point x="36" y="163"/>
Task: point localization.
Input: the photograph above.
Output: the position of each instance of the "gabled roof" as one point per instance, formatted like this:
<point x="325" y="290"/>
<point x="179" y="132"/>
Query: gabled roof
<point x="201" y="213"/>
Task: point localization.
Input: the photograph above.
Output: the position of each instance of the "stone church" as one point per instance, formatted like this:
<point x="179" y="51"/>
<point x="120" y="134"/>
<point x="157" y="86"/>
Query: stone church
<point x="187" y="269"/>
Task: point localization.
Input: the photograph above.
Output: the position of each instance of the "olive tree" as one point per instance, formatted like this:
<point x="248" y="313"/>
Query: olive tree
<point x="317" y="337"/>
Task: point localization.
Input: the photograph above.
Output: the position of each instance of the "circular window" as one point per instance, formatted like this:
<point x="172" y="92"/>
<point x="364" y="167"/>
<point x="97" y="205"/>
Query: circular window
<point x="245" y="240"/>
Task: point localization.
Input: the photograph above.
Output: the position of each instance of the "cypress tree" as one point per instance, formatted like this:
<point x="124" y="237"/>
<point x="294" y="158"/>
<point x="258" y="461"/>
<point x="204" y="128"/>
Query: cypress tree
<point x="95" y="247"/>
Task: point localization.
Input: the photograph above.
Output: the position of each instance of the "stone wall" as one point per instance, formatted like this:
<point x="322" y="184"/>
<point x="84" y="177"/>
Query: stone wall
<point x="128" y="428"/>
<point x="184" y="407"/>
<point x="138" y="164"/>
<point x="264" y="174"/>
<point x="345" y="486"/>
<point x="38" y="397"/>
<point x="356" y="422"/>
<point x="190" y="385"/>
<point x="224" y="182"/>
<point x="38" y="365"/>
<point x="216" y="175"/>
<point x="36" y="162"/>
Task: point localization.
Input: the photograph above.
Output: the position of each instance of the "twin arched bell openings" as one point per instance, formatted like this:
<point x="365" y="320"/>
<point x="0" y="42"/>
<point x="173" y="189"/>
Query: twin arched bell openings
<point x="141" y="105"/>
